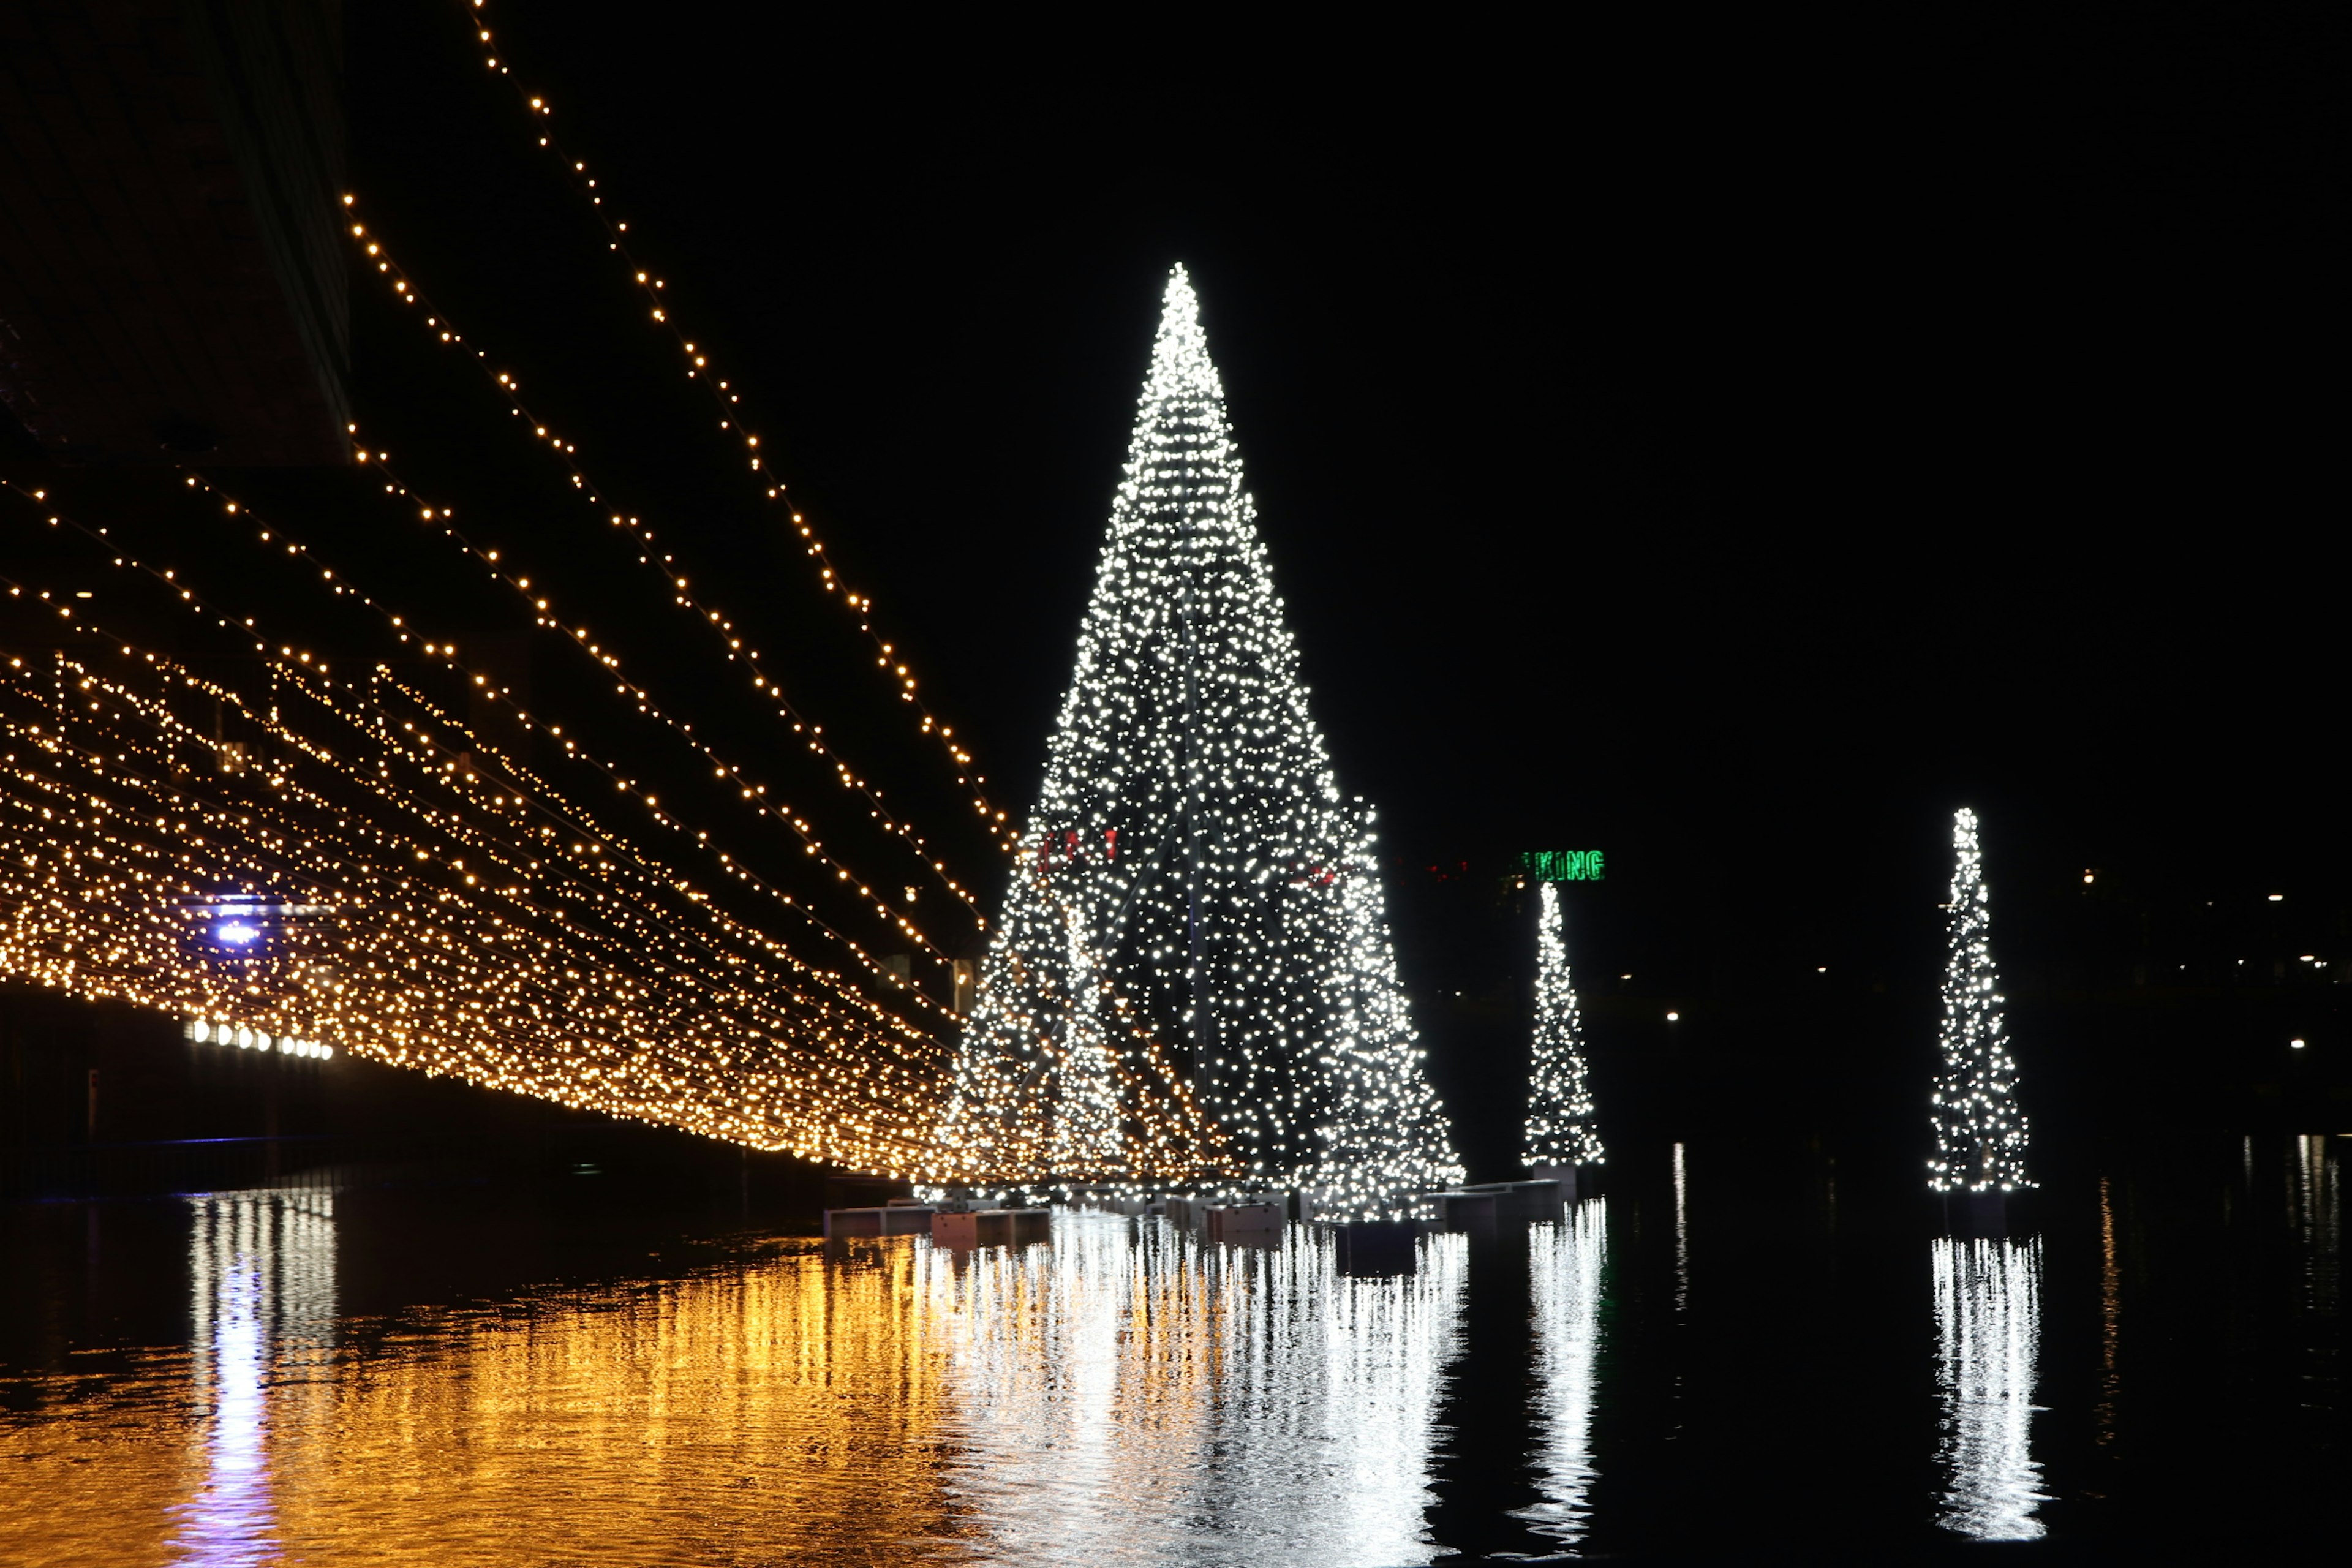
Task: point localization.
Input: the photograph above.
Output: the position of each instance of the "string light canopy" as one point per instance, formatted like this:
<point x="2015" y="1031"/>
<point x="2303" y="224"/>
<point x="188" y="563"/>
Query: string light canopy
<point x="1190" y="852"/>
<point x="161" y="826"/>
<point x="448" y="925"/>
<point x="486" y="689"/>
<point x="1980" y="1129"/>
<point x="1560" y="1123"/>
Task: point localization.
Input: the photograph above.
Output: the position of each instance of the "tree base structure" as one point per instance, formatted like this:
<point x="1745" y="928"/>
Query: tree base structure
<point x="991" y="1227"/>
<point x="895" y="1220"/>
<point x="1378" y="1249"/>
<point x="1987" y="1216"/>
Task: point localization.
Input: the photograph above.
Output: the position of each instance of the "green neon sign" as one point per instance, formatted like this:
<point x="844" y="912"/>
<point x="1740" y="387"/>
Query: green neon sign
<point x="1561" y="865"/>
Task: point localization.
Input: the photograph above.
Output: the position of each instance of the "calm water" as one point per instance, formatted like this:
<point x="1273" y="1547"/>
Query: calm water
<point x="1714" y="1359"/>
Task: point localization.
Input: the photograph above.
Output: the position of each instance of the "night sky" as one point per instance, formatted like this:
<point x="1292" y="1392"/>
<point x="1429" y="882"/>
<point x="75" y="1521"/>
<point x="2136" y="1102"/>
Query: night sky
<point x="1729" y="449"/>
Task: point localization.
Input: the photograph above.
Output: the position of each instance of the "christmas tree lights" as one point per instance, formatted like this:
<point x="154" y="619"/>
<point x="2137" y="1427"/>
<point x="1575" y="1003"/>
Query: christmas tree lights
<point x="1561" y="1129"/>
<point x="1980" y="1131"/>
<point x="1190" y="851"/>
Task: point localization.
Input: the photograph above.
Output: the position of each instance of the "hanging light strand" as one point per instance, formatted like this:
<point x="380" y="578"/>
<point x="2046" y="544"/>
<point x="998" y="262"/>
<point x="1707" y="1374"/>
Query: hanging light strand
<point x="752" y="794"/>
<point x="727" y="400"/>
<point x="497" y="694"/>
<point x="708" y="618"/>
<point x="108" y="843"/>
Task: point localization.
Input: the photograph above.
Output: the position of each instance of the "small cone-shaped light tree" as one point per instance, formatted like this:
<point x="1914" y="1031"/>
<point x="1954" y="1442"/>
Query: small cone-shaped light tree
<point x="1197" y="918"/>
<point x="1561" y="1129"/>
<point x="1980" y="1128"/>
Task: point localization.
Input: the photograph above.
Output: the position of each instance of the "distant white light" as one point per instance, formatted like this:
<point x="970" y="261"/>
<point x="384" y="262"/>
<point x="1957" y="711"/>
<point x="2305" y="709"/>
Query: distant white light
<point x="1671" y="1017"/>
<point x="2278" y="898"/>
<point x="235" y="932"/>
<point x="1824" y="969"/>
<point x="2296" y="1044"/>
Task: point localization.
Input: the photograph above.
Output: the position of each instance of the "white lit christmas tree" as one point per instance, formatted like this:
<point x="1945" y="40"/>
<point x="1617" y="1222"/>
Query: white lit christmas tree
<point x="1194" y="945"/>
<point x="1561" y="1129"/>
<point x="1980" y="1128"/>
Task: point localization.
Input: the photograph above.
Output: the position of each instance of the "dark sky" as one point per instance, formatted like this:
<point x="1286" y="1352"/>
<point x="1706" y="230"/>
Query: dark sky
<point x="1732" y="449"/>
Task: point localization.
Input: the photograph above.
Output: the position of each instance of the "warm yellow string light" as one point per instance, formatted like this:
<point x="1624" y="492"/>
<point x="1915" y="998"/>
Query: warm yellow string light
<point x="753" y="794"/>
<point x="698" y="359"/>
<point x="707" y="618"/>
<point x="1171" y="1143"/>
<point x="462" y="978"/>
<point x="315" y="682"/>
<point x="491" y="691"/>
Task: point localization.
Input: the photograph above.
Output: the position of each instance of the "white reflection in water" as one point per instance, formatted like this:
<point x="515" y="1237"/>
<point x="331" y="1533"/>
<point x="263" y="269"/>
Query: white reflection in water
<point x="1140" y="1398"/>
<point x="2318" y="1218"/>
<point x="1987" y="1330"/>
<point x="261" y="1269"/>
<point x="1565" y="1262"/>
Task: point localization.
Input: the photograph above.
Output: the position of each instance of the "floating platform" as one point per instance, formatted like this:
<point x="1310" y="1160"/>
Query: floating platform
<point x="1540" y="1199"/>
<point x="1987" y="1216"/>
<point x="1377" y="1248"/>
<point x="1258" y="1222"/>
<point x="899" y="1218"/>
<point x="991" y="1227"/>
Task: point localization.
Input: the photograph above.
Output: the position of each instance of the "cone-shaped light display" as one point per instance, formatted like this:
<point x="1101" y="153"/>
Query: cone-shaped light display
<point x="1192" y="984"/>
<point x="1561" y="1129"/>
<point x="1980" y="1126"/>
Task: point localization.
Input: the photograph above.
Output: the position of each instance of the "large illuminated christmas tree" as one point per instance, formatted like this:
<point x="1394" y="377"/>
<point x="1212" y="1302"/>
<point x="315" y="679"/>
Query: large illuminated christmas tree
<point x="1980" y="1128"/>
<point x="1560" y="1131"/>
<point x="1197" y="921"/>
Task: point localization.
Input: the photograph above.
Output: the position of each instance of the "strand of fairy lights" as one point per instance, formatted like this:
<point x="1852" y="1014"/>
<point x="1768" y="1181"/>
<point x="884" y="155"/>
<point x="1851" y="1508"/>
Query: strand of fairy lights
<point x="297" y="855"/>
<point x="765" y="688"/>
<point x="448" y="774"/>
<point x="544" y="793"/>
<point x="475" y="746"/>
<point x="753" y="793"/>
<point x="490" y="691"/>
<point x="726" y="400"/>
<point x="279" y="783"/>
<point x="230" y="624"/>
<point x="1980" y="1131"/>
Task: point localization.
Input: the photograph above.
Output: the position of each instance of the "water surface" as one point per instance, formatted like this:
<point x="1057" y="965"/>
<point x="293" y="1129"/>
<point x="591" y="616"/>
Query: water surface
<point x="318" y="1377"/>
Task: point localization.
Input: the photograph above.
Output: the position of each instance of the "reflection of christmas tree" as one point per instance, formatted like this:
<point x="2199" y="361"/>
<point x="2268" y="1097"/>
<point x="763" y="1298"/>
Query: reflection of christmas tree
<point x="1979" y="1128"/>
<point x="1191" y="859"/>
<point x="1559" y="1099"/>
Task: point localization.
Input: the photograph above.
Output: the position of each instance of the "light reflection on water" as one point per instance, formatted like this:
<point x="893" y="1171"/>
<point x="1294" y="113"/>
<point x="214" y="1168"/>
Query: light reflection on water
<point x="1126" y="1395"/>
<point x="1117" y="1401"/>
<point x="1121" y="1395"/>
<point x="1565" y="1262"/>
<point x="1989" y="1333"/>
<point x="261" y="1268"/>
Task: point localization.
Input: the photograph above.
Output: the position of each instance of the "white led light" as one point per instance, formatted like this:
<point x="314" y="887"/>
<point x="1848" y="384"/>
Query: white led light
<point x="1193" y="981"/>
<point x="1559" y="1129"/>
<point x="1980" y="1133"/>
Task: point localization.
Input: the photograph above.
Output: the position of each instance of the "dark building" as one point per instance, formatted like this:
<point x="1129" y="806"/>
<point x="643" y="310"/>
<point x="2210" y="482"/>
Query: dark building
<point x="172" y="281"/>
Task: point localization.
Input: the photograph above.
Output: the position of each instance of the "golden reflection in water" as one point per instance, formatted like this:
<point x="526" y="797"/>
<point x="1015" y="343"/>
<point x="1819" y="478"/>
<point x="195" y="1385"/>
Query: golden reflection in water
<point x="261" y="1270"/>
<point x="1121" y="1395"/>
<point x="1565" y="1263"/>
<point x="1988" y="1332"/>
<point x="2111" y="1308"/>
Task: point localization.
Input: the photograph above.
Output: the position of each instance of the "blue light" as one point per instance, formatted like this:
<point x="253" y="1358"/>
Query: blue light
<point x="237" y="933"/>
